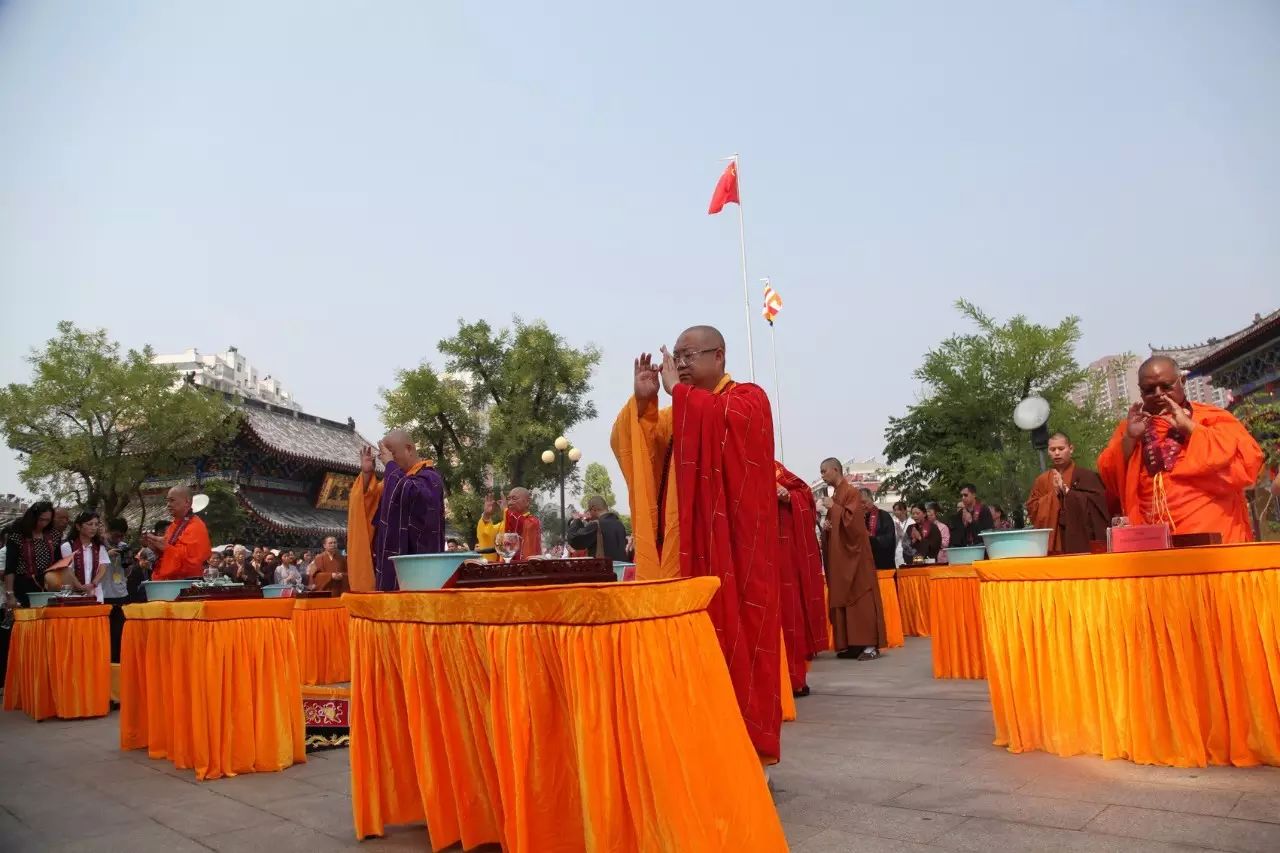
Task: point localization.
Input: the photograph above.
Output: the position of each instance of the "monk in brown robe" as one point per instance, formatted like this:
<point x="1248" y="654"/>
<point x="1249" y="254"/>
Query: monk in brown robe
<point x="1069" y="500"/>
<point x="853" y="590"/>
<point x="329" y="571"/>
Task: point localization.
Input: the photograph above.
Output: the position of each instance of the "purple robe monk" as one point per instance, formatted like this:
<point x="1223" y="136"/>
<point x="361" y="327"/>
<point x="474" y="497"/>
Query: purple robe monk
<point x="410" y="514"/>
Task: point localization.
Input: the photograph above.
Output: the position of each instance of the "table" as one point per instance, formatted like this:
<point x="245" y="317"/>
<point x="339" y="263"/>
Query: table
<point x="955" y="622"/>
<point x="584" y="716"/>
<point x="324" y="648"/>
<point x="59" y="662"/>
<point x="892" y="610"/>
<point x="212" y="685"/>
<point x="1161" y="657"/>
<point x="913" y="596"/>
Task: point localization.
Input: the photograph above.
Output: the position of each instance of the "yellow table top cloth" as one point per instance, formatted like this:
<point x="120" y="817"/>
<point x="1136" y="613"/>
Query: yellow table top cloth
<point x="59" y="662"/>
<point x="324" y="642"/>
<point x="212" y="685"/>
<point x="1161" y="657"/>
<point x="913" y="601"/>
<point x="955" y="623"/>
<point x="581" y="717"/>
<point x="892" y="609"/>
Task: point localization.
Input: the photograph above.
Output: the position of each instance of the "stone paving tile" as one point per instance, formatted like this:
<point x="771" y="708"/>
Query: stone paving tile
<point x="211" y="815"/>
<point x="1172" y="798"/>
<point x="835" y="841"/>
<point x="1258" y="807"/>
<point x="262" y="789"/>
<point x="1043" y="811"/>
<point x="279" y="836"/>
<point x="1217" y="833"/>
<point x="901" y="824"/>
<point x="134" y="839"/>
<point x="329" y="813"/>
<point x="982" y="835"/>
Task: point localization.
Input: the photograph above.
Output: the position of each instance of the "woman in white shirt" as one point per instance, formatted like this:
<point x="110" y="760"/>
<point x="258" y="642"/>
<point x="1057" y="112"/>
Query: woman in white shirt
<point x="89" y="558"/>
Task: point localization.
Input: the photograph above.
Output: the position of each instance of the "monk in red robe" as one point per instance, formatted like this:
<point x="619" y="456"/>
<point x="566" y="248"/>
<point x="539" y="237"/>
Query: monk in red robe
<point x="1069" y="500"/>
<point x="516" y="518"/>
<point x="184" y="547"/>
<point x="801" y="585"/>
<point x="704" y="502"/>
<point x="1181" y="463"/>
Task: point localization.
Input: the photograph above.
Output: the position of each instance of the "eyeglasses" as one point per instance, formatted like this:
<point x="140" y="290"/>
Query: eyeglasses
<point x="684" y="359"/>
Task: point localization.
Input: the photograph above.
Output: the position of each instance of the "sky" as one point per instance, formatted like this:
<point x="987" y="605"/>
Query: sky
<point x="330" y="186"/>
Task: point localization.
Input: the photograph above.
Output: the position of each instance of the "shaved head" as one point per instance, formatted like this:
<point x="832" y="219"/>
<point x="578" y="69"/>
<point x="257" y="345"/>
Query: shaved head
<point x="832" y="470"/>
<point x="699" y="355"/>
<point x="402" y="449"/>
<point x="519" y="499"/>
<point x="1160" y="384"/>
<point x="708" y="336"/>
<point x="597" y="504"/>
<point x="178" y="501"/>
<point x="1158" y="361"/>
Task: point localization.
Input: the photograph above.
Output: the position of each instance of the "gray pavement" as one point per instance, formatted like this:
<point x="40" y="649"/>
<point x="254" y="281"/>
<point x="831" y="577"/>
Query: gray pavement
<point x="883" y="758"/>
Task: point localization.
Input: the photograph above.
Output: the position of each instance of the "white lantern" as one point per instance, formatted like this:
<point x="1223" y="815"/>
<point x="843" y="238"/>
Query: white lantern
<point x="562" y="443"/>
<point x="1031" y="413"/>
<point x="575" y="454"/>
<point x="548" y="456"/>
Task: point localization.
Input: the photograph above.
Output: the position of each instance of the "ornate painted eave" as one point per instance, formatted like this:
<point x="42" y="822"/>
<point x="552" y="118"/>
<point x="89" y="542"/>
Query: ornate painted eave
<point x="1261" y="331"/>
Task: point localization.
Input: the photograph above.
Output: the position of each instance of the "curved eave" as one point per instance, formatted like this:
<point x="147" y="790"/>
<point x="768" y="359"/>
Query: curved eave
<point x="318" y="461"/>
<point x="275" y="524"/>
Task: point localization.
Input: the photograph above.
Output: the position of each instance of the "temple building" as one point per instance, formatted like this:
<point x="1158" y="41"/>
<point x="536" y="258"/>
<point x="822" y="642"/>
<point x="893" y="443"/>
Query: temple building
<point x="290" y="472"/>
<point x="1246" y="362"/>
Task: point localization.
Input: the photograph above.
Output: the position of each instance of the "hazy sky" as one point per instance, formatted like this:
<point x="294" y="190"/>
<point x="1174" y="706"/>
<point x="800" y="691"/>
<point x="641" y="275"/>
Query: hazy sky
<point x="329" y="186"/>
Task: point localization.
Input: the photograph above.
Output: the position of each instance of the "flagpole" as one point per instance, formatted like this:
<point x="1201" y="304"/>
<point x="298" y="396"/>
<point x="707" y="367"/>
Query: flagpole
<point x="746" y="289"/>
<point x="777" y="391"/>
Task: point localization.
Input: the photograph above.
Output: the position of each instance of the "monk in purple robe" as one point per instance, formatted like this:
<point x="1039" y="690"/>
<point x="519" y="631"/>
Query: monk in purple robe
<point x="410" y="506"/>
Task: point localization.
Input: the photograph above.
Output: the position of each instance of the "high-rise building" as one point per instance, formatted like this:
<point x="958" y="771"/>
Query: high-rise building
<point x="1118" y="381"/>
<point x="231" y="373"/>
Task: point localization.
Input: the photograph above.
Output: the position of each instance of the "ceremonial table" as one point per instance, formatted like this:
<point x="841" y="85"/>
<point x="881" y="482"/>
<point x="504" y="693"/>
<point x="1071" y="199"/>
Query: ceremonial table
<point x="913" y="598"/>
<point x="59" y="662"/>
<point x="324" y="648"/>
<point x="955" y="622"/>
<point x="572" y="717"/>
<point x="1161" y="657"/>
<point x="212" y="685"/>
<point x="892" y="610"/>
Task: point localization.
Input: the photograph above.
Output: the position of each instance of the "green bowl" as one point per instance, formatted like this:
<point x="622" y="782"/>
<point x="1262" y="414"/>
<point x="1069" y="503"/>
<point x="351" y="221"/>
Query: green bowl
<point x="39" y="599"/>
<point x="165" y="590"/>
<point x="429" y="571"/>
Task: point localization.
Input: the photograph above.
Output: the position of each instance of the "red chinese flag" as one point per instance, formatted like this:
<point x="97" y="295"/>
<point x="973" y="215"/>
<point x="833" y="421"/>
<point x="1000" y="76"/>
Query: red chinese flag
<point x="726" y="190"/>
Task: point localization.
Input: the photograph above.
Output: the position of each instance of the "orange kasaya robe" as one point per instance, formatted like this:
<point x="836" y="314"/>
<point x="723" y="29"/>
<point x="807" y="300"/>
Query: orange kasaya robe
<point x="704" y="502"/>
<point x="801" y="583"/>
<point x="362" y="509"/>
<point x="1204" y="491"/>
<point x="184" y="558"/>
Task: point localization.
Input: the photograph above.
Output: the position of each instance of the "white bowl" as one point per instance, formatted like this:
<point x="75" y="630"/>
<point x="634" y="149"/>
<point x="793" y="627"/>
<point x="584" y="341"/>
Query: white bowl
<point x="966" y="554"/>
<point x="1004" y="544"/>
<point x="429" y="571"/>
<point x="39" y="599"/>
<point x="165" y="590"/>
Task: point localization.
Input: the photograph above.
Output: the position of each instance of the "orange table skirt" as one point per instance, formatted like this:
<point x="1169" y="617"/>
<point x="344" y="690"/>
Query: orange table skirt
<point x="955" y="623"/>
<point x="212" y="685"/>
<point x="913" y="601"/>
<point x="324" y="644"/>
<point x="59" y="662"/>
<point x="892" y="609"/>
<point x="1163" y="657"/>
<point x="580" y="717"/>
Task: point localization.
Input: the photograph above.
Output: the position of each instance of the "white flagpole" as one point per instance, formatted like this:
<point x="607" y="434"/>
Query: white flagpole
<point x="746" y="289"/>
<point x="777" y="391"/>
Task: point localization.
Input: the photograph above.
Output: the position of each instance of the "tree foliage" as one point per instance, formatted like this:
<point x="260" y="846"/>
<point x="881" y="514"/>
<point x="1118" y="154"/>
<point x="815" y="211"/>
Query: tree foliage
<point x="93" y="423"/>
<point x="225" y="517"/>
<point x="501" y="399"/>
<point x="597" y="482"/>
<point x="962" y="429"/>
<point x="1260" y="414"/>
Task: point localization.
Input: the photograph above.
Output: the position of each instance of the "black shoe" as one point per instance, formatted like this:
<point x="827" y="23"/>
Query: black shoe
<point x="801" y="693"/>
<point x="848" y="654"/>
<point x="871" y="655"/>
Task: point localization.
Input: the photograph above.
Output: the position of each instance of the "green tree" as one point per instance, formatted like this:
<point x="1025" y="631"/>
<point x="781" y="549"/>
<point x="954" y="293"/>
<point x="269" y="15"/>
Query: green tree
<point x="962" y="429"/>
<point x="1260" y="414"/>
<point x="225" y="517"/>
<point x="501" y="399"/>
<point x="97" y="423"/>
<point x="596" y="481"/>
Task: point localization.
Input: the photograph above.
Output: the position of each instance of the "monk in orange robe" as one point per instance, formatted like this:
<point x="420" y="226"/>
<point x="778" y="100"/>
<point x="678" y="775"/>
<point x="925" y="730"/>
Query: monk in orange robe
<point x="801" y="585"/>
<point x="1068" y="500"/>
<point x="1181" y="463"/>
<point x="853" y="587"/>
<point x="362" y="506"/>
<point x="704" y="502"/>
<point x="184" y="547"/>
<point x="329" y="571"/>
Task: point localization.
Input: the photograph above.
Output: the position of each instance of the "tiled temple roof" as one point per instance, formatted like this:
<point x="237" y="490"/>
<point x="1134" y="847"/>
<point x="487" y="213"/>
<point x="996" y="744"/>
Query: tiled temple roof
<point x="1236" y="344"/>
<point x="305" y="438"/>
<point x="293" y="514"/>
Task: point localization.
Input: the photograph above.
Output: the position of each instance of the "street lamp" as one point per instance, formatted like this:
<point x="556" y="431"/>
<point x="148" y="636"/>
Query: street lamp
<point x="572" y="454"/>
<point x="1031" y="415"/>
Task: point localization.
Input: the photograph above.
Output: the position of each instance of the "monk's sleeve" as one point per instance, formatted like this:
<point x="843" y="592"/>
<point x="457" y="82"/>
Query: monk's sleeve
<point x="196" y="549"/>
<point x="639" y="440"/>
<point x="1112" y="463"/>
<point x="362" y="509"/>
<point x="487" y="536"/>
<point x="1041" y="504"/>
<point x="1220" y="457"/>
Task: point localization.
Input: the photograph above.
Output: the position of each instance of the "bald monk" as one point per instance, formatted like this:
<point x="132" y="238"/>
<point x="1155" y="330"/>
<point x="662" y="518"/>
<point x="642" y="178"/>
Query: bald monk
<point x="184" y="547"/>
<point x="329" y="571"/>
<point x="801" y="585"/>
<point x="704" y="501"/>
<point x="853" y="589"/>
<point x="403" y="514"/>
<point x="1185" y="464"/>
<point x="1068" y="500"/>
<point x="516" y="518"/>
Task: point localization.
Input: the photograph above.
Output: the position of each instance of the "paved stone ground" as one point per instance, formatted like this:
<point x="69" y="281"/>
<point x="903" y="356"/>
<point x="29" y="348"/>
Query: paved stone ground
<point x="884" y="758"/>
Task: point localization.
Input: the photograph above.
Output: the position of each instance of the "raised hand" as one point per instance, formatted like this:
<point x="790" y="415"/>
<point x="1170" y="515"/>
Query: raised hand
<point x="1177" y="416"/>
<point x="490" y="507"/>
<point x="384" y="452"/>
<point x="670" y="375"/>
<point x="1137" y="421"/>
<point x="646" y="379"/>
<point x="366" y="460"/>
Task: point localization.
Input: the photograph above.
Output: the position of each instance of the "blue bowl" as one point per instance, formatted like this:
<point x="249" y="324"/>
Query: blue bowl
<point x="1003" y="544"/>
<point x="620" y="569"/>
<point x="165" y="590"/>
<point x="39" y="599"/>
<point x="429" y="571"/>
<point x="274" y="590"/>
<point x="966" y="554"/>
